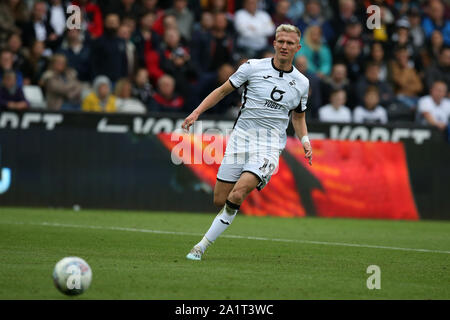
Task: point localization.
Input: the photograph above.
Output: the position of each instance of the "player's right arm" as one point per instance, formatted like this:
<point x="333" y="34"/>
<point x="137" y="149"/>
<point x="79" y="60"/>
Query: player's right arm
<point x="211" y="100"/>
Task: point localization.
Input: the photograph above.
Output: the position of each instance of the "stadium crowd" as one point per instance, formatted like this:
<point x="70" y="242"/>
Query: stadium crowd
<point x="149" y="55"/>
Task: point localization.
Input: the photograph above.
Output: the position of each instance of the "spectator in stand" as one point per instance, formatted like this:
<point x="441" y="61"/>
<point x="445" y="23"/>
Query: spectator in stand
<point x="35" y="65"/>
<point x="7" y="18"/>
<point x="212" y="80"/>
<point x="371" y="78"/>
<point x="336" y="111"/>
<point x="200" y="43"/>
<point x="430" y="55"/>
<point x="176" y="61"/>
<point x="124" y="33"/>
<point x="314" y="16"/>
<point x="61" y="86"/>
<point x="316" y="52"/>
<point x="434" y="109"/>
<point x="435" y="20"/>
<point x="401" y="38"/>
<point x="382" y="32"/>
<point x="407" y="83"/>
<point x="371" y="111"/>
<point x="143" y="90"/>
<point x="7" y="64"/>
<point x="100" y="99"/>
<point x="254" y="27"/>
<point x="78" y="54"/>
<point x="11" y="95"/>
<point x="416" y="30"/>
<point x="315" y="96"/>
<point x="346" y="10"/>
<point x="219" y="48"/>
<point x="92" y="19"/>
<point x="377" y="56"/>
<point x="144" y="38"/>
<point x="166" y="98"/>
<point x="125" y="8"/>
<point x="109" y="51"/>
<point x="440" y="70"/>
<point x="353" y="59"/>
<point x="337" y="80"/>
<point x="125" y="102"/>
<point x="280" y="15"/>
<point x="14" y="44"/>
<point x="184" y="17"/>
<point x="353" y="30"/>
<point x="57" y="16"/>
<point x="39" y="28"/>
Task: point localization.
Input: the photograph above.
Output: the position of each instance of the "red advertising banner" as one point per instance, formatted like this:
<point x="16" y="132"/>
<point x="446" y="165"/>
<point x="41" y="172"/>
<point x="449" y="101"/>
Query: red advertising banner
<point x="352" y="179"/>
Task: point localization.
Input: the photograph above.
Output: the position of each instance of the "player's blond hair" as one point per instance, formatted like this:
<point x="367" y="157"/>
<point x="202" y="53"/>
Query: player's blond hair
<point x="288" y="28"/>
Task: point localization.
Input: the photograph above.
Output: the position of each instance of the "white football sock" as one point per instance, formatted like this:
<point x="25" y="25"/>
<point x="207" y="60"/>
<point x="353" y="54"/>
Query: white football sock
<point x="220" y="224"/>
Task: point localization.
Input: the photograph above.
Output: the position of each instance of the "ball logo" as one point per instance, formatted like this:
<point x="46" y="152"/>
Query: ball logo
<point x="74" y="280"/>
<point x="277" y="95"/>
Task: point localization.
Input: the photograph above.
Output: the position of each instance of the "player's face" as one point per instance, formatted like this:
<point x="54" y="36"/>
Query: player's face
<point x="286" y="44"/>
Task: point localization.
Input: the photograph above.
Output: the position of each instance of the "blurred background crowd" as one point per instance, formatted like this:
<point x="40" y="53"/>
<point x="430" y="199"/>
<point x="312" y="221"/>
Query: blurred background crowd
<point x="139" y="56"/>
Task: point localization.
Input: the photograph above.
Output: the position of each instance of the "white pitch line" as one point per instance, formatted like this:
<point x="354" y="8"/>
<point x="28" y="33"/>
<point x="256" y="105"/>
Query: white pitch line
<point x="50" y="224"/>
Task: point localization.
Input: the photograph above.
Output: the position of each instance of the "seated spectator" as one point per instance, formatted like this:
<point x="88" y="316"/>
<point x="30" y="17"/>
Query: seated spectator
<point x="416" y="30"/>
<point x="337" y="80"/>
<point x="61" y="86"/>
<point x="435" y="20"/>
<point x="430" y="54"/>
<point x="336" y="111"/>
<point x="125" y="102"/>
<point x="210" y="81"/>
<point x="57" y="16"/>
<point x="11" y="95"/>
<point x="124" y="32"/>
<point x="377" y="55"/>
<point x="434" y="109"/>
<point x="407" y="83"/>
<point x="316" y="52"/>
<point x="440" y="70"/>
<point x="371" y="78"/>
<point x="314" y="16"/>
<point x="176" y="61"/>
<point x="92" y="17"/>
<point x="7" y="64"/>
<point x="35" y="65"/>
<point x="38" y="28"/>
<point x="14" y="44"/>
<point x="253" y="27"/>
<point x="7" y="19"/>
<point x="108" y="55"/>
<point x="353" y="59"/>
<point x="353" y="30"/>
<point x="144" y="36"/>
<point x="184" y="17"/>
<point x="78" y="54"/>
<point x="100" y="99"/>
<point x="201" y="39"/>
<point x="143" y="90"/>
<point x="280" y="15"/>
<point x="371" y="111"/>
<point x="402" y="38"/>
<point x="345" y="11"/>
<point x="166" y="98"/>
<point x="315" y="92"/>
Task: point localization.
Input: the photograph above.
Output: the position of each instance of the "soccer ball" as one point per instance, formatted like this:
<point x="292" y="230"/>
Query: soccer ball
<point x="72" y="276"/>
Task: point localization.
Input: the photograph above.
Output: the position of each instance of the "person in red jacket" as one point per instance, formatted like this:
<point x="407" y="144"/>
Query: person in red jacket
<point x="166" y="98"/>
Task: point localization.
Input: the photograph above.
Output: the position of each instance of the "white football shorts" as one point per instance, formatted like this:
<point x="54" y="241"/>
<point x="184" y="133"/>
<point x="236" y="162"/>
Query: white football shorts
<point x="249" y="152"/>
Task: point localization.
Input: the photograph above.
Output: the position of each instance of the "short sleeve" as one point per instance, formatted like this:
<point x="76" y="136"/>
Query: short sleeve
<point x="424" y="105"/>
<point x="241" y="75"/>
<point x="303" y="100"/>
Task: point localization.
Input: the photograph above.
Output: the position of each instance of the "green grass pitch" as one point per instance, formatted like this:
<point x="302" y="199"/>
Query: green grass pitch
<point x="141" y="255"/>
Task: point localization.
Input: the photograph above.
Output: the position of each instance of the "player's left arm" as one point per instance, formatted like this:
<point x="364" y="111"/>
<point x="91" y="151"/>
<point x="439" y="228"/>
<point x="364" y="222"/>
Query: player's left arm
<point x="301" y="130"/>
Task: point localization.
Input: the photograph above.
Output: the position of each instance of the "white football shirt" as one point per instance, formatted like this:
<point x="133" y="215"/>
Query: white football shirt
<point x="439" y="112"/>
<point x="364" y="115"/>
<point x="269" y="96"/>
<point x="328" y="113"/>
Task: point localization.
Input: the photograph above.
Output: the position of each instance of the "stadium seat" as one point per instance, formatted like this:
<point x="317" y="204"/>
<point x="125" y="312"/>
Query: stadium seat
<point x="34" y="96"/>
